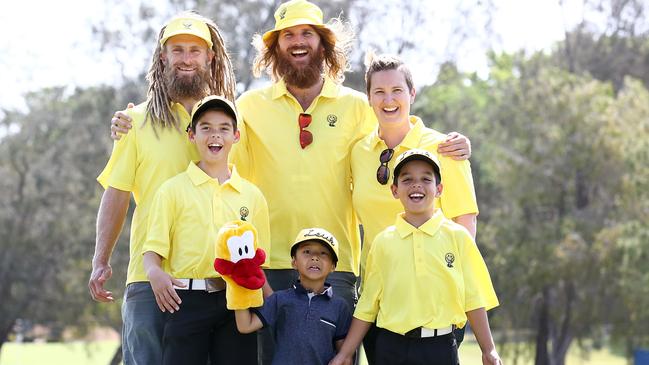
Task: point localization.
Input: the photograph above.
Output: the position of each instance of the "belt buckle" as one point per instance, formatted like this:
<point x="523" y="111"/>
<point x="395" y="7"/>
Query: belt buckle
<point x="214" y="284"/>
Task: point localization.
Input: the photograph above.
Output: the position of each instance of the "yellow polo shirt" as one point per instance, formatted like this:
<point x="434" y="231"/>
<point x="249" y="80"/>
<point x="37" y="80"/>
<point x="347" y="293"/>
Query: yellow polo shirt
<point x="374" y="203"/>
<point x="140" y="163"/>
<point x="424" y="277"/>
<point x="187" y="213"/>
<point x="304" y="187"/>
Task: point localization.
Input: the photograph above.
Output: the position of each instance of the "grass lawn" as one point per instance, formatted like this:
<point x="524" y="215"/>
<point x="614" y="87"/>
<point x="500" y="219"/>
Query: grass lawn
<point x="73" y="353"/>
<point x="100" y="353"/>
<point x="470" y="355"/>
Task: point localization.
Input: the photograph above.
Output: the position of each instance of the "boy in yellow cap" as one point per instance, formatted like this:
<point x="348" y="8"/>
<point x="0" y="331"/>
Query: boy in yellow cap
<point x="308" y="322"/>
<point x="438" y="280"/>
<point x="179" y="251"/>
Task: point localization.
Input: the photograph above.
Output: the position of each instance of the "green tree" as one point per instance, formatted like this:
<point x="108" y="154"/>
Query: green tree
<point x="48" y="164"/>
<point x="625" y="245"/>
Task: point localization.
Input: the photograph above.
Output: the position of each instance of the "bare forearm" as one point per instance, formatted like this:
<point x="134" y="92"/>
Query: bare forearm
<point x="110" y="220"/>
<point x="468" y="221"/>
<point x="266" y="290"/>
<point x="247" y="322"/>
<point x="151" y="261"/>
<point x="354" y="337"/>
<point x="339" y="345"/>
<point x="480" y="327"/>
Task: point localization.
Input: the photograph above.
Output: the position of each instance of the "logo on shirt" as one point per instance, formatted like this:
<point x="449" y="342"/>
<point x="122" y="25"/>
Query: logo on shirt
<point x="332" y="119"/>
<point x="243" y="212"/>
<point x="450" y="258"/>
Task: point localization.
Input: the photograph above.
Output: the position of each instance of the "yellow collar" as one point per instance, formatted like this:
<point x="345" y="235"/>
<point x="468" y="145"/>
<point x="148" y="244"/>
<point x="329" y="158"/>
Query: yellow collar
<point x="330" y="89"/>
<point x="411" y="140"/>
<point x="199" y="177"/>
<point x="430" y="227"/>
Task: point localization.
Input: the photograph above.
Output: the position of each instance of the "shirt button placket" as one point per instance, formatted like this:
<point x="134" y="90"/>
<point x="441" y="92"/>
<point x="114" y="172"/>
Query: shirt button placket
<point x="217" y="205"/>
<point x="417" y="250"/>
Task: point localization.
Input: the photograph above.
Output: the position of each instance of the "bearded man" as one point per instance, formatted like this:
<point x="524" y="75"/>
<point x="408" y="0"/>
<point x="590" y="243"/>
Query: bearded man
<point x="190" y="62"/>
<point x="296" y="138"/>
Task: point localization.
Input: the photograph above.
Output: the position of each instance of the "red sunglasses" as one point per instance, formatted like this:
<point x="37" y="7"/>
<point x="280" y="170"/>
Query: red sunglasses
<point x="306" y="137"/>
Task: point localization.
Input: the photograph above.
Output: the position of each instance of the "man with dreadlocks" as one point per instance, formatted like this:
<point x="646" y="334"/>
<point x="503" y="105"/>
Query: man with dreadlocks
<point x="190" y="62"/>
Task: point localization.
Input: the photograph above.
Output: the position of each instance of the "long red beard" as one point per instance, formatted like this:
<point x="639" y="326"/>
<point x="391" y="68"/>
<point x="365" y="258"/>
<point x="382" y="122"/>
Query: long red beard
<point x="302" y="77"/>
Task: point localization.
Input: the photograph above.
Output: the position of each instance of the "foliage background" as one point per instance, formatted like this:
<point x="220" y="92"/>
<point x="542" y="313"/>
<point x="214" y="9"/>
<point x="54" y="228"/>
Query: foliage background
<point x="561" y="165"/>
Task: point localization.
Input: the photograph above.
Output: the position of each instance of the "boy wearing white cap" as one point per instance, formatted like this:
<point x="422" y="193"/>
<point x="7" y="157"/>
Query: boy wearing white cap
<point x="438" y="280"/>
<point x="308" y="322"/>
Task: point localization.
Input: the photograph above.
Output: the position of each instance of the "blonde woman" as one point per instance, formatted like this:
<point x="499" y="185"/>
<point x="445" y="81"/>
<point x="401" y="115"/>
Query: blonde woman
<point x="390" y="92"/>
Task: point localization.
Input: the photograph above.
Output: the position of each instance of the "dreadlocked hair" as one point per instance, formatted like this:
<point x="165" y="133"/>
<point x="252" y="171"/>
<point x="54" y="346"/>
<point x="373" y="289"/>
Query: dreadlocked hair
<point x="335" y="38"/>
<point x="222" y="80"/>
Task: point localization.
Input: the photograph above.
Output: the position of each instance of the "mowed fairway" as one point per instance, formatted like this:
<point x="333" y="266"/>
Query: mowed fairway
<point x="73" y="353"/>
<point x="100" y="353"/>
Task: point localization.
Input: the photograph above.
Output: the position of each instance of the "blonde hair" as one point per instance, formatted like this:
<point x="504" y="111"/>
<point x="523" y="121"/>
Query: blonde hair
<point x="384" y="62"/>
<point x="222" y="79"/>
<point x="336" y="38"/>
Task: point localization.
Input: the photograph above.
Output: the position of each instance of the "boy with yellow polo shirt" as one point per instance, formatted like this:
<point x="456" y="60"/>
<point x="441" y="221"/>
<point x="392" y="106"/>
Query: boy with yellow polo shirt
<point x="186" y="215"/>
<point x="439" y="279"/>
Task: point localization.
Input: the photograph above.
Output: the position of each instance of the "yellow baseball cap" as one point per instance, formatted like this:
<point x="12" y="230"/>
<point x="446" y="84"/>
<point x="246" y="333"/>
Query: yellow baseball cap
<point x="185" y="25"/>
<point x="317" y="234"/>
<point x="295" y="12"/>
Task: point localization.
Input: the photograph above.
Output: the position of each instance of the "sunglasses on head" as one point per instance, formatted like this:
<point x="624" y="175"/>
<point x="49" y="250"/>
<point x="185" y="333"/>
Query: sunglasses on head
<point x="383" y="172"/>
<point x="306" y="137"/>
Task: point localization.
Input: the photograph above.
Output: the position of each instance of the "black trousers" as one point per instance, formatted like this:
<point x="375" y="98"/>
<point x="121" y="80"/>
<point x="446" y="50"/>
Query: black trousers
<point x="369" y="342"/>
<point x="204" y="328"/>
<point x="395" y="349"/>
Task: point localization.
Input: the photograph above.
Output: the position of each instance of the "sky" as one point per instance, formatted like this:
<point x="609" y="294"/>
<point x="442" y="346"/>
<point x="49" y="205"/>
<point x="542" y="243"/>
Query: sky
<point x="55" y="45"/>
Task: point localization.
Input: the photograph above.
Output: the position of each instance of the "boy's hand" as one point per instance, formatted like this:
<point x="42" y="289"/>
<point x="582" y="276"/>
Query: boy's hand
<point x="491" y="358"/>
<point x="121" y="123"/>
<point x="455" y="146"/>
<point x="341" y="360"/>
<point x="163" y="288"/>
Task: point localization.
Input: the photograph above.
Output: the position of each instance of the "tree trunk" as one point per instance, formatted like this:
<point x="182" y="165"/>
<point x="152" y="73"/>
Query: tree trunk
<point x="542" y="356"/>
<point x="117" y="357"/>
<point x="564" y="338"/>
<point x="561" y="350"/>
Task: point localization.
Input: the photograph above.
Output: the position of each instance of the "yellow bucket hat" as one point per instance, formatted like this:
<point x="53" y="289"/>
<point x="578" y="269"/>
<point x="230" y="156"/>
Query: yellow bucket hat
<point x="295" y="12"/>
<point x="189" y="26"/>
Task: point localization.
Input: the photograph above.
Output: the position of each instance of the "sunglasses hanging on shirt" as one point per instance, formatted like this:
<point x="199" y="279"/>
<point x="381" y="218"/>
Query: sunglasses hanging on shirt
<point x="306" y="137"/>
<point x="383" y="172"/>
